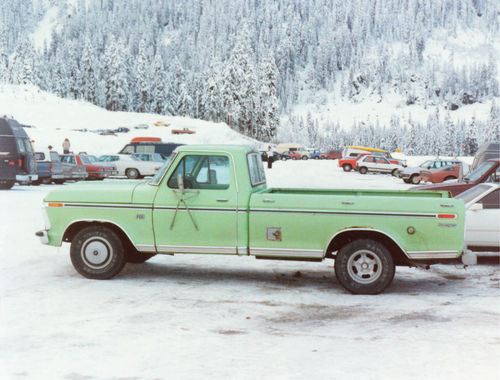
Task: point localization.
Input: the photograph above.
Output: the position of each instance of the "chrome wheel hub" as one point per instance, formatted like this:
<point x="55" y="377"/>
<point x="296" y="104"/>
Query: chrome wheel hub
<point x="96" y="252"/>
<point x="364" y="266"/>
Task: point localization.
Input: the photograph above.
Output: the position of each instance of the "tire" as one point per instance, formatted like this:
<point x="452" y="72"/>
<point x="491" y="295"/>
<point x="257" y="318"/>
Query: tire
<point x="6" y="185"/>
<point x="132" y="173"/>
<point x="59" y="181"/>
<point x="304" y="158"/>
<point x="364" y="266"/>
<point x="347" y="167"/>
<point x="135" y="257"/>
<point x="36" y="183"/>
<point x="283" y="158"/>
<point x="449" y="178"/>
<point x="294" y="158"/>
<point x="97" y="253"/>
<point x="363" y="170"/>
<point x="406" y="181"/>
<point x="316" y="158"/>
<point x="394" y="172"/>
<point x="415" y="179"/>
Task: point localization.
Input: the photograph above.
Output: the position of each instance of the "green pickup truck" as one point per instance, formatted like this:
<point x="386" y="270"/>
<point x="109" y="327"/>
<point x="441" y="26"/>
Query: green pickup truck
<point x="214" y="199"/>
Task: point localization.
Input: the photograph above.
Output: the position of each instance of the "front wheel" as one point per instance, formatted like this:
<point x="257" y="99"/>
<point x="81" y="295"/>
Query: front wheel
<point x="364" y="266"/>
<point x="363" y="170"/>
<point x="347" y="167"/>
<point x="97" y="253"/>
<point x="394" y="172"/>
<point x="305" y="157"/>
<point x="415" y="179"/>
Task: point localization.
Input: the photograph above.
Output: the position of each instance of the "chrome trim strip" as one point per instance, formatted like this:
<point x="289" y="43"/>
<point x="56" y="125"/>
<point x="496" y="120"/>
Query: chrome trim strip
<point x="145" y="248"/>
<point x="342" y="212"/>
<point x="112" y="205"/>
<point x="195" y="249"/>
<point x="243" y="251"/>
<point x="207" y="209"/>
<point x="292" y="252"/>
<point x="416" y="255"/>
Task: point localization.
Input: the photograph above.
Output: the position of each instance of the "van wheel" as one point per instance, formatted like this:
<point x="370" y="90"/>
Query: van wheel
<point x="6" y="185"/>
<point x="364" y="266"/>
<point x="132" y="173"/>
<point x="415" y="179"/>
<point x="363" y="170"/>
<point x="347" y="167"/>
<point x="97" y="252"/>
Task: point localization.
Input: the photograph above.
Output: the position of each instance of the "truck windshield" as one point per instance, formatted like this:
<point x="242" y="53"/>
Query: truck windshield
<point x="160" y="173"/>
<point x="479" y="172"/>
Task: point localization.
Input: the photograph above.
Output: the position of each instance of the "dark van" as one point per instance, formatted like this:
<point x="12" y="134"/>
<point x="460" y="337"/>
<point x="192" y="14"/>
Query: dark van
<point x="17" y="161"/>
<point x="165" y="149"/>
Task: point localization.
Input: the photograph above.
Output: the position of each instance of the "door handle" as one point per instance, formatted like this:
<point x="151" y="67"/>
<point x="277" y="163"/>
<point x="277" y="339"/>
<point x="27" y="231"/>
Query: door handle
<point x="347" y="203"/>
<point x="222" y="200"/>
<point x="268" y="200"/>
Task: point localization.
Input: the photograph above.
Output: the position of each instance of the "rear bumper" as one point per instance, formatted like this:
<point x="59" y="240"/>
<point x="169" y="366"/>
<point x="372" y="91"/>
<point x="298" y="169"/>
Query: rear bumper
<point x="44" y="237"/>
<point x="26" y="177"/>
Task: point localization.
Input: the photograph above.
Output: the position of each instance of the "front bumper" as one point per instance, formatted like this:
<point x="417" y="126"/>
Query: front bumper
<point x="44" y="237"/>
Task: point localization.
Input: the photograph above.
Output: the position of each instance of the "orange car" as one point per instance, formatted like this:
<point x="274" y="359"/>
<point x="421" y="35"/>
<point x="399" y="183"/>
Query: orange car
<point x="441" y="174"/>
<point x="161" y="124"/>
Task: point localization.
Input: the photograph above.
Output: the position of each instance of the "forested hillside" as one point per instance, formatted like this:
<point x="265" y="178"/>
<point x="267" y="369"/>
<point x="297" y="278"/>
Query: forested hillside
<point x="250" y="62"/>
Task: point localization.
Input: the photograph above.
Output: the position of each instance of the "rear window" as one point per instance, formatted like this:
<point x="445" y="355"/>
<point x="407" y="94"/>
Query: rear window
<point x="39" y="156"/>
<point x="256" y="169"/>
<point x="7" y="146"/>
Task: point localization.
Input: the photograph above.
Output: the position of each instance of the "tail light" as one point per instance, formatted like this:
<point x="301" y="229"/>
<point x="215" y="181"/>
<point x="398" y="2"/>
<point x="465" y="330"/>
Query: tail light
<point x="51" y="167"/>
<point x="12" y="163"/>
<point x="20" y="163"/>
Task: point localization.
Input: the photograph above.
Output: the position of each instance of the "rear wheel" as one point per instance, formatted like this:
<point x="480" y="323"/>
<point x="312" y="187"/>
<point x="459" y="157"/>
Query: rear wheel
<point x="97" y="252"/>
<point x="6" y="185"/>
<point x="415" y="179"/>
<point x="132" y="173"/>
<point x="406" y="180"/>
<point x="304" y="157"/>
<point x="363" y="170"/>
<point x="364" y="266"/>
<point x="347" y="167"/>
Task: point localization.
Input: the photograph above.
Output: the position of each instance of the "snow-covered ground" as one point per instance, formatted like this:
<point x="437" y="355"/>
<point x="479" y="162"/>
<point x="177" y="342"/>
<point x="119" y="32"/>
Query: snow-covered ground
<point x="206" y="316"/>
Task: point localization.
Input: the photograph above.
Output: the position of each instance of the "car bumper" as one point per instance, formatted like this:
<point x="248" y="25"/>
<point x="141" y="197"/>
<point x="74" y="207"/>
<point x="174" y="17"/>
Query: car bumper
<point x="26" y="177"/>
<point x="44" y="237"/>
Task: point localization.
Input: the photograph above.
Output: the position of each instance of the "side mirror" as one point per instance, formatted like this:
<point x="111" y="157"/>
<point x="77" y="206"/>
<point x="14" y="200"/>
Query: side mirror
<point x="180" y="183"/>
<point x="476" y="207"/>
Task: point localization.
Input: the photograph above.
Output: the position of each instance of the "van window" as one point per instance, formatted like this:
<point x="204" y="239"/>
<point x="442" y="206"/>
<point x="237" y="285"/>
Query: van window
<point x="145" y="148"/>
<point x="7" y="146"/>
<point x="129" y="149"/>
<point x="20" y="146"/>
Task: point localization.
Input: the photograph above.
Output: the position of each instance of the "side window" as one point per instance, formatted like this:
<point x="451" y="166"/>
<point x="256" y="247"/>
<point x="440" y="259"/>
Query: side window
<point x="202" y="172"/>
<point x="129" y="149"/>
<point x="256" y="170"/>
<point x="145" y="148"/>
<point x="492" y="200"/>
<point x="20" y="146"/>
<point x="39" y="156"/>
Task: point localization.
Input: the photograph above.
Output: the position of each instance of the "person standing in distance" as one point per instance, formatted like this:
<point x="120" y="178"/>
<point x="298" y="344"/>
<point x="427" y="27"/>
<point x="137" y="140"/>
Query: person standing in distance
<point x="66" y="145"/>
<point x="270" y="157"/>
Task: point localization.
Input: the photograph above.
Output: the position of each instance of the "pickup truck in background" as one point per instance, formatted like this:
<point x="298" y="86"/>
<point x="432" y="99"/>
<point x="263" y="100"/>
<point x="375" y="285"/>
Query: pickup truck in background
<point x="214" y="199"/>
<point x="49" y="168"/>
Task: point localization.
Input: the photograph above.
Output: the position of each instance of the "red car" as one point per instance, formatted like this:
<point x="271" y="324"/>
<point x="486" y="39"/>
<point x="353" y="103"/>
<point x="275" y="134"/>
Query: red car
<point x="441" y="174"/>
<point x="348" y="163"/>
<point x="94" y="171"/>
<point x="291" y="155"/>
<point x="488" y="171"/>
<point x="331" y="155"/>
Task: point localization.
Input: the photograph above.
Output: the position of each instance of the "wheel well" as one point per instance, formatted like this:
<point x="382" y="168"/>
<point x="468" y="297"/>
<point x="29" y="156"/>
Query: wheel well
<point x="346" y="237"/>
<point x="73" y="229"/>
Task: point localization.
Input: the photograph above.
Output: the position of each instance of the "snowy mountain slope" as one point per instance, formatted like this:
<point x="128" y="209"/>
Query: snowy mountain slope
<point x="55" y="119"/>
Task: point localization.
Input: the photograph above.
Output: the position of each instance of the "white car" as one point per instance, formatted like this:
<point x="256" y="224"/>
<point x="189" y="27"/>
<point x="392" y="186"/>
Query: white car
<point x="130" y="166"/>
<point x="482" y="217"/>
<point x="376" y="164"/>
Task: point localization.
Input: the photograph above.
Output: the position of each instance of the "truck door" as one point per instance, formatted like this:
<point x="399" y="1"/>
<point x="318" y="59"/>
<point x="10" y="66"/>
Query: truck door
<point x="201" y="218"/>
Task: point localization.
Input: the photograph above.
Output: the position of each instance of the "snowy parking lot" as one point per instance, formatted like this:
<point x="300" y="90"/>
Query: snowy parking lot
<point x="198" y="316"/>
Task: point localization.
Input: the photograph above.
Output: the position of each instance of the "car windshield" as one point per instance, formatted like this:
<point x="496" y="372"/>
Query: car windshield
<point x="472" y="193"/>
<point x="91" y="158"/>
<point x="159" y="174"/>
<point x="479" y="172"/>
<point x="425" y="164"/>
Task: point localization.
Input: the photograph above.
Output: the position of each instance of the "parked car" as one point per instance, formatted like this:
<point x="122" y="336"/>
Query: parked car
<point x="349" y="163"/>
<point x="376" y="164"/>
<point x="93" y="171"/>
<point x="141" y="126"/>
<point x="482" y="217"/>
<point x="331" y="155"/>
<point x="291" y="155"/>
<point x="193" y="206"/>
<point x="156" y="157"/>
<point x="412" y="174"/>
<point x="314" y="154"/>
<point x="132" y="167"/>
<point x="72" y="170"/>
<point x="442" y="174"/>
<point x="351" y="153"/>
<point x="183" y="131"/>
<point x="49" y="168"/>
<point x="488" y="151"/>
<point x="121" y="130"/>
<point x="109" y="167"/>
<point x="161" y="124"/>
<point x="149" y="145"/>
<point x="488" y="171"/>
<point x="17" y="161"/>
